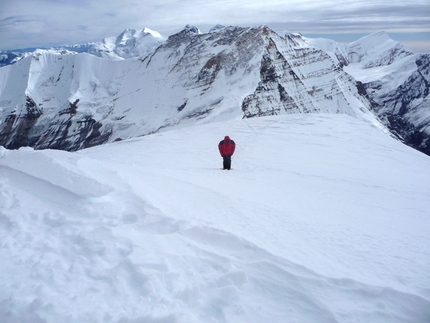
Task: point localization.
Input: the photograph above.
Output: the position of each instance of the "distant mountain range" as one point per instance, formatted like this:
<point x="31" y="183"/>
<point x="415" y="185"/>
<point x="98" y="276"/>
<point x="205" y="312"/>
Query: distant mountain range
<point x="140" y="82"/>
<point x="130" y="43"/>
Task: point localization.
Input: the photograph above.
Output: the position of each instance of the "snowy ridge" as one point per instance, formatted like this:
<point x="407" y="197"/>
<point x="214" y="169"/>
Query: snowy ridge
<point x="323" y="218"/>
<point x="51" y="98"/>
<point x="130" y="43"/>
<point x="190" y="77"/>
<point x="76" y="101"/>
<point x="394" y="79"/>
<point x="374" y="50"/>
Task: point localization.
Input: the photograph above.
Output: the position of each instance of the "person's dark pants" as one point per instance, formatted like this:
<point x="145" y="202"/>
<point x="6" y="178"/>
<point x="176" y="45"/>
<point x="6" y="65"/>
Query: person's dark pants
<point x="227" y="162"/>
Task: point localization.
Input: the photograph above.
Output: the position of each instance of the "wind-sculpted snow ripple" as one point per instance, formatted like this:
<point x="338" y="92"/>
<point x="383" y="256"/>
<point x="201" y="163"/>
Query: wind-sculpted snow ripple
<point x="322" y="219"/>
<point x="293" y="291"/>
<point x="68" y="175"/>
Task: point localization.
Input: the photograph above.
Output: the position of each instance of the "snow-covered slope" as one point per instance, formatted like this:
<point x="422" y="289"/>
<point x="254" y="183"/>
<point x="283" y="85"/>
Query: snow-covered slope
<point x="396" y="80"/>
<point x="130" y="43"/>
<point x="323" y="218"/>
<point x="76" y="101"/>
<point x="40" y="95"/>
<point x="373" y="50"/>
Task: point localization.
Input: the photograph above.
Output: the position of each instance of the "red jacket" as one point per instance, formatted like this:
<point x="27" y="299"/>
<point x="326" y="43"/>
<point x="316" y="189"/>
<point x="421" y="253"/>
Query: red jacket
<point x="226" y="147"/>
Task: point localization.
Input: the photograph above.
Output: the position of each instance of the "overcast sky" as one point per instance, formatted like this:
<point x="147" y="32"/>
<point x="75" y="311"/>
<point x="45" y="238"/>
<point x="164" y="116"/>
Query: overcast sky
<point x="45" y="23"/>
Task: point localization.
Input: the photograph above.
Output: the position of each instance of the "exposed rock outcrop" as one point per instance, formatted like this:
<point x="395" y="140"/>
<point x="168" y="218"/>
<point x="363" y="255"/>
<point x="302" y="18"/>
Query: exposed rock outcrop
<point x="64" y="100"/>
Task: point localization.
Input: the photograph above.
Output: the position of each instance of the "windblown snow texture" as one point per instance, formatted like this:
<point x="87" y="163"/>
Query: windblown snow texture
<point x="324" y="219"/>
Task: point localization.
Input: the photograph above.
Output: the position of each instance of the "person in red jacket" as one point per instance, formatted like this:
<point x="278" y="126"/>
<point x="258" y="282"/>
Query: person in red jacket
<point x="226" y="149"/>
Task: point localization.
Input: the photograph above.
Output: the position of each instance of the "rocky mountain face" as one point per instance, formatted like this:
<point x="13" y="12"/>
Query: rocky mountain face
<point x="405" y="109"/>
<point x="395" y="80"/>
<point x="72" y="101"/>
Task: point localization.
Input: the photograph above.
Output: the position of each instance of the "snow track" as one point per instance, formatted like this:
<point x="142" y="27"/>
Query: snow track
<point x="322" y="219"/>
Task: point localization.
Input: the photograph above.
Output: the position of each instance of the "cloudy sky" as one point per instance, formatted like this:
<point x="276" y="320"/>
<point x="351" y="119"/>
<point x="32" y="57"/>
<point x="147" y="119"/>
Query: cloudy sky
<point x="45" y="23"/>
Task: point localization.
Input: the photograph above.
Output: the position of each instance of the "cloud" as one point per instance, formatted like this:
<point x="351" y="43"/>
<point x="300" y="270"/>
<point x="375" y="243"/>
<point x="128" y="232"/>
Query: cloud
<point x="25" y="23"/>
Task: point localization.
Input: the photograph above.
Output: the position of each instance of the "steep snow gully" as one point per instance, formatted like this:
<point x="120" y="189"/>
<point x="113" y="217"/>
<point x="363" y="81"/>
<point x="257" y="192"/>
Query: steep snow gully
<point x="324" y="218"/>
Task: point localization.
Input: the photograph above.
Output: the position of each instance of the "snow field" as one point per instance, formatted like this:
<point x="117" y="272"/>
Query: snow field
<point x="324" y="218"/>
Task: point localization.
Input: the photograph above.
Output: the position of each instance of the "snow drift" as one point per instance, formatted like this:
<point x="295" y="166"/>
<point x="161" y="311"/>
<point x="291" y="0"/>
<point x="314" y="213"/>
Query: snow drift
<point x="324" y="218"/>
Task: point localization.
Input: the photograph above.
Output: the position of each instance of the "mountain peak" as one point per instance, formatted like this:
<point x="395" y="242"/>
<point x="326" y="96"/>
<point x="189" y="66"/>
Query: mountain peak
<point x="216" y="28"/>
<point x="130" y="43"/>
<point x="373" y="39"/>
<point x="151" y="32"/>
<point x="192" y="29"/>
<point x="187" y="32"/>
<point x="194" y="77"/>
<point x="131" y="33"/>
<point x="376" y="49"/>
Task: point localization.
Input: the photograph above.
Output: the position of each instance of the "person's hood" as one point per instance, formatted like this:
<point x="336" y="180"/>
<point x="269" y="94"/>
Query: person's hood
<point x="226" y="138"/>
